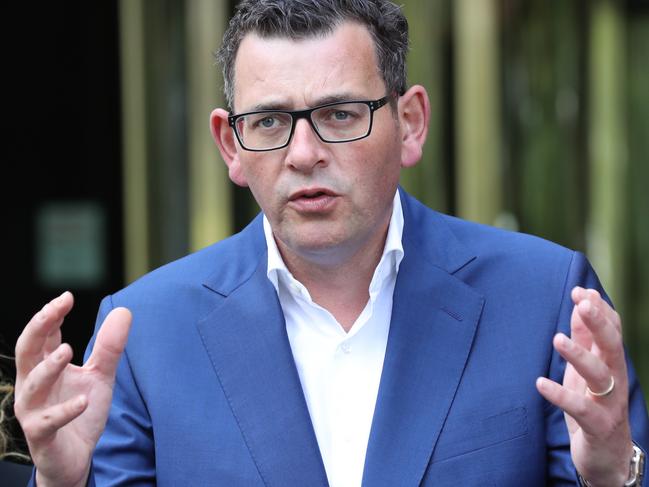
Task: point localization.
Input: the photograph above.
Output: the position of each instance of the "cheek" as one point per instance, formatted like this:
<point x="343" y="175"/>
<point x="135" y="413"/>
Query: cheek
<point x="376" y="182"/>
<point x="378" y="171"/>
<point x="373" y="194"/>
<point x="261" y="177"/>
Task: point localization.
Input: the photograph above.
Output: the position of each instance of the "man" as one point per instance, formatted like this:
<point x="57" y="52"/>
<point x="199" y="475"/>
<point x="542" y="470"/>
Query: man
<point x="349" y="335"/>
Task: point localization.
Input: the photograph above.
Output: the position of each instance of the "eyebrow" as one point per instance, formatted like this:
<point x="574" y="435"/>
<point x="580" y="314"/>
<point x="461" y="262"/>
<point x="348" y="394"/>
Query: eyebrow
<point x="277" y="105"/>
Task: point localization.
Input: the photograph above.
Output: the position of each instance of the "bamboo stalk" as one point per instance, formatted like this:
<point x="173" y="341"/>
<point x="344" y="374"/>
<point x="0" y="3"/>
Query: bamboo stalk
<point x="478" y="117"/>
<point x="210" y="208"/>
<point x="134" y="149"/>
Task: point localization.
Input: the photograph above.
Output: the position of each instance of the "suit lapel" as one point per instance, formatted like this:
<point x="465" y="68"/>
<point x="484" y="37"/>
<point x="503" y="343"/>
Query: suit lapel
<point x="246" y="340"/>
<point x="434" y="319"/>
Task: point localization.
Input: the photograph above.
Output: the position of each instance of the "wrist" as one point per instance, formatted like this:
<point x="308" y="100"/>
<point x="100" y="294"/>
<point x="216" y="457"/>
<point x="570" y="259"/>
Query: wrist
<point x="633" y="477"/>
<point x="42" y="481"/>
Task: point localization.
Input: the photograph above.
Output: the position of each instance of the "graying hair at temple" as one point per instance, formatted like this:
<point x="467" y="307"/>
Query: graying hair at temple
<point x="300" y="19"/>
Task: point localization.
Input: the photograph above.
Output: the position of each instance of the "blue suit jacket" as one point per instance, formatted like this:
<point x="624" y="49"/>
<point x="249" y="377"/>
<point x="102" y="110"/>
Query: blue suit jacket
<point x="207" y="392"/>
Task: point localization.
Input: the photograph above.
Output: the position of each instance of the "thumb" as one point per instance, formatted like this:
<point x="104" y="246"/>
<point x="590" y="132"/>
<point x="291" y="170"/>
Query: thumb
<point x="110" y="342"/>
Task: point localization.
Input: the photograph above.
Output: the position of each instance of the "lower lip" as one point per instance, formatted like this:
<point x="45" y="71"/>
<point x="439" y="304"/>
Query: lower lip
<point x="319" y="204"/>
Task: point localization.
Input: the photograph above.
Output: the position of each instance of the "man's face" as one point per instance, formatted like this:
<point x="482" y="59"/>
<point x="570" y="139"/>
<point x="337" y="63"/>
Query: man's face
<point x="325" y="202"/>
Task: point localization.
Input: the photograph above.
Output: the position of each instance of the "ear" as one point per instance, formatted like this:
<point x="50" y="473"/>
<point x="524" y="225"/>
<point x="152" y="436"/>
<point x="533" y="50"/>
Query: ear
<point x="226" y="141"/>
<point x="414" y="117"/>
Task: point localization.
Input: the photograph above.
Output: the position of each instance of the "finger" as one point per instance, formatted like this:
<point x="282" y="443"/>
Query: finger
<point x="591" y="368"/>
<point x="110" y="343"/>
<point x="587" y="414"/>
<point x="606" y="335"/>
<point x="31" y="343"/>
<point x="578" y="329"/>
<point x="44" y="424"/>
<point x="38" y="383"/>
<point x="579" y="293"/>
<point x="53" y="341"/>
<point x="572" y="379"/>
<point x="602" y="307"/>
<point x="596" y="299"/>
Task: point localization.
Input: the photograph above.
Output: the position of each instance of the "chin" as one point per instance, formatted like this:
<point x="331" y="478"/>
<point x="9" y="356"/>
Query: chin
<point x="317" y="245"/>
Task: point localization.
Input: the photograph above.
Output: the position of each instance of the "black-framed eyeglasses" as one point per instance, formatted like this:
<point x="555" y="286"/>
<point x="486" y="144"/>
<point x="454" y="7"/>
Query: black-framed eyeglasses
<point x="334" y="123"/>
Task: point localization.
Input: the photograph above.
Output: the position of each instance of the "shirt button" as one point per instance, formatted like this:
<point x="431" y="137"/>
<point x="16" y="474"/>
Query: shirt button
<point x="345" y="347"/>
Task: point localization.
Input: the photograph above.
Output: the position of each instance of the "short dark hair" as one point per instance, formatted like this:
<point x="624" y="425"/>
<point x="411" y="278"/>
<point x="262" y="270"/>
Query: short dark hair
<point x="299" y="19"/>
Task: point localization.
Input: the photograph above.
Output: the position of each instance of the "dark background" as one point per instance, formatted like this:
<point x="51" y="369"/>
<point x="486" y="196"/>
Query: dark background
<point x="61" y="144"/>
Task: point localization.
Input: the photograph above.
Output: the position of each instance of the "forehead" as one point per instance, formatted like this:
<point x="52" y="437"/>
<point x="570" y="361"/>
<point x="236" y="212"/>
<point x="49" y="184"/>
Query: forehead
<point x="289" y="73"/>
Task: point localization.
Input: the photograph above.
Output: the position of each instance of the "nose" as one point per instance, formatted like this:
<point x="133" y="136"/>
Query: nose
<point x="305" y="151"/>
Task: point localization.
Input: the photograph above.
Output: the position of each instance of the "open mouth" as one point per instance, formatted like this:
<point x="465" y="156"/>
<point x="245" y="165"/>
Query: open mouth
<point x="313" y="200"/>
<point x="311" y="194"/>
<point x="314" y="195"/>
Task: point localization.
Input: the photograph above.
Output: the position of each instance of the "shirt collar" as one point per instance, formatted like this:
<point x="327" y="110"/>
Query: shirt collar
<point x="388" y="264"/>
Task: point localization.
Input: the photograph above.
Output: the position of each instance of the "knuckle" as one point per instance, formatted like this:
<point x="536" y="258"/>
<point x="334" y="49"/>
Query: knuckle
<point x="594" y="293"/>
<point x="582" y="409"/>
<point x="578" y="352"/>
<point x="615" y="346"/>
<point x="617" y="320"/>
<point x="46" y="420"/>
<point x="603" y="377"/>
<point x="32" y="387"/>
<point x="19" y="409"/>
<point x="45" y="312"/>
<point x="53" y="361"/>
<point x="18" y="389"/>
<point x="71" y="408"/>
<point x="20" y="346"/>
<point x="560" y="393"/>
<point x="29" y="427"/>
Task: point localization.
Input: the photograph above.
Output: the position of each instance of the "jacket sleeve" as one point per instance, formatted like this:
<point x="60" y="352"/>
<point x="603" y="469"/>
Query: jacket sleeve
<point x="125" y="452"/>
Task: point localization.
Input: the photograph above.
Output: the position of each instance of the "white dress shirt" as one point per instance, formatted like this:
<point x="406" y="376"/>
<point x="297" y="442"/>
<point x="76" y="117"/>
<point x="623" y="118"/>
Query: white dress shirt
<point x="340" y="371"/>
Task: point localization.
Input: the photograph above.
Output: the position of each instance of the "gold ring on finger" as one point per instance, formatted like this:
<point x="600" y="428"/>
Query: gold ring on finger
<point x="608" y="390"/>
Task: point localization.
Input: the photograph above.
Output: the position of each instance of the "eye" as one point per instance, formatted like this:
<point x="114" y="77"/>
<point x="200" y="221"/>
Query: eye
<point x="337" y="115"/>
<point x="341" y="115"/>
<point x="267" y="122"/>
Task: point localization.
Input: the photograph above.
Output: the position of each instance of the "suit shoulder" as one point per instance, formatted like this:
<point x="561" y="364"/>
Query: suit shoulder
<point x="477" y="238"/>
<point x="231" y="256"/>
<point x="486" y="239"/>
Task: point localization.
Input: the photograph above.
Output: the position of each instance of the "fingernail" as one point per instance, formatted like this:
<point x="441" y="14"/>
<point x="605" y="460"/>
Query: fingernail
<point x="566" y="343"/>
<point x="80" y="402"/>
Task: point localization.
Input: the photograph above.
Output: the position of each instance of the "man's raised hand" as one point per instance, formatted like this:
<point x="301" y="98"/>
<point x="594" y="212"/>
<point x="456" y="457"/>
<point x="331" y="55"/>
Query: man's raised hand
<point x="62" y="408"/>
<point x="594" y="393"/>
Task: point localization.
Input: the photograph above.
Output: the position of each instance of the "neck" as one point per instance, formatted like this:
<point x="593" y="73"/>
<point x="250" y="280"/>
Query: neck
<point x="341" y="286"/>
